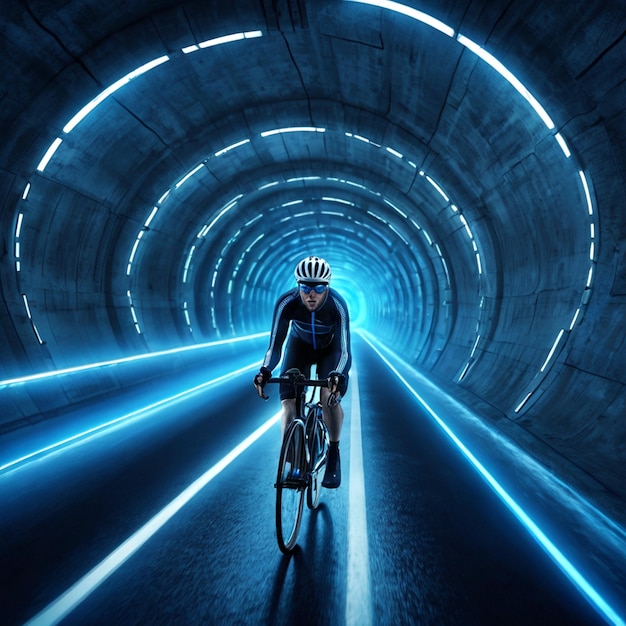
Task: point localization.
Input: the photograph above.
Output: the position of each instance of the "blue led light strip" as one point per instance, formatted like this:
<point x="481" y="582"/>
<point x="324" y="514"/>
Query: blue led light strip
<point x="137" y="357"/>
<point x="142" y="412"/>
<point x="579" y="581"/>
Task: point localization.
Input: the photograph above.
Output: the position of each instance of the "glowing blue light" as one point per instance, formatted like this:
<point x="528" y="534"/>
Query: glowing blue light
<point x="188" y="263"/>
<point x="216" y="41"/>
<point x="133" y="251"/>
<point x="26" y="306"/>
<point x="123" y="418"/>
<point x="49" y="154"/>
<point x="583" y="180"/>
<point x="520" y="406"/>
<point x="478" y="51"/>
<point x="467" y="228"/>
<point x="409" y="12"/>
<point x="151" y="217"/>
<point x="441" y="192"/>
<point x="220" y="40"/>
<point x="268" y="185"/>
<point x="137" y="357"/>
<point x="293" y="129"/>
<point x="395" y="208"/>
<point x="339" y="200"/>
<point x="89" y="107"/>
<point x="364" y="140"/>
<point x="552" y="350"/>
<point x="480" y="267"/>
<point x="397" y="232"/>
<point x="563" y="145"/>
<point x="223" y="212"/>
<point x="187" y="176"/>
<point x="508" y="76"/>
<point x="231" y="147"/>
<point x="255" y="242"/>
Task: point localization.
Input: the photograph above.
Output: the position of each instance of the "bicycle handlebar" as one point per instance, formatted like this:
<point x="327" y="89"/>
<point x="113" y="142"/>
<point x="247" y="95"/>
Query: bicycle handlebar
<point x="305" y="382"/>
<point x="296" y="378"/>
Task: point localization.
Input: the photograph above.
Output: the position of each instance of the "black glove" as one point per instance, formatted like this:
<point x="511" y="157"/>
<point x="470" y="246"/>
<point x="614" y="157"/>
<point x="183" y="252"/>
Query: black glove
<point x="335" y="379"/>
<point x="260" y="379"/>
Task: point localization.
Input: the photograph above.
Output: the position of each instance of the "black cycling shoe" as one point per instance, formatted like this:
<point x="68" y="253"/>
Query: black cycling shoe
<point x="332" y="476"/>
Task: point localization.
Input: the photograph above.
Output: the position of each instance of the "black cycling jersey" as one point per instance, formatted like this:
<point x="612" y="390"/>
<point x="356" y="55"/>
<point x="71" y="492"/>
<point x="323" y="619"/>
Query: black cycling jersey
<point x="317" y="328"/>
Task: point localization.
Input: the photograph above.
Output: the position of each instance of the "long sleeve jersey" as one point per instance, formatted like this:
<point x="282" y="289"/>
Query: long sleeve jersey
<point x="317" y="328"/>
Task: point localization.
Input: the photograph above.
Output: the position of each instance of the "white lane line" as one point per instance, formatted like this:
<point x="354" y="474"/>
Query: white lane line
<point x="358" y="604"/>
<point x="78" y="592"/>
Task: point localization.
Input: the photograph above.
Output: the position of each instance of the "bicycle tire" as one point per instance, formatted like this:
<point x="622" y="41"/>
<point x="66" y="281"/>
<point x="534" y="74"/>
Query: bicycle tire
<point x="318" y="446"/>
<point x="289" y="489"/>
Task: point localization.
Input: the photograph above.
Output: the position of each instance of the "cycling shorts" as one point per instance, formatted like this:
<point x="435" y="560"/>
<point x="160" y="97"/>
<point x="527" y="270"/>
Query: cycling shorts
<point x="301" y="355"/>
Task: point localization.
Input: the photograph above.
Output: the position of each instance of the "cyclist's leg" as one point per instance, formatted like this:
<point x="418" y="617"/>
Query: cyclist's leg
<point x="296" y="355"/>
<point x="289" y="412"/>
<point x="333" y="415"/>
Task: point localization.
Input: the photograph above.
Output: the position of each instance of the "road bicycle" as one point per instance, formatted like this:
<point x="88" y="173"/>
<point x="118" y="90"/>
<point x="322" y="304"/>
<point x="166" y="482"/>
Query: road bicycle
<point x="302" y="457"/>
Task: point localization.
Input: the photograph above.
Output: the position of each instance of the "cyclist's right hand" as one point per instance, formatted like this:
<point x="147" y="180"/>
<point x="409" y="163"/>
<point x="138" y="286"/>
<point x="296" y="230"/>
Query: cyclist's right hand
<point x="260" y="379"/>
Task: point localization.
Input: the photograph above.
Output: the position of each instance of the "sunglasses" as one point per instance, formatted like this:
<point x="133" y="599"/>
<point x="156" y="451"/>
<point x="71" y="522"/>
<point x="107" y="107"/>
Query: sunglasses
<point x="316" y="288"/>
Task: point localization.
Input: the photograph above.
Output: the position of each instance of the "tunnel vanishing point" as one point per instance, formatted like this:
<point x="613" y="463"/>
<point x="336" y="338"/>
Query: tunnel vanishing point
<point x="461" y="165"/>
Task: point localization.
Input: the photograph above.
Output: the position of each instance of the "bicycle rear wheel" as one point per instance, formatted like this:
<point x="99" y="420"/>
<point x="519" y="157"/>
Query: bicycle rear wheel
<point x="291" y="483"/>
<point x="318" y="446"/>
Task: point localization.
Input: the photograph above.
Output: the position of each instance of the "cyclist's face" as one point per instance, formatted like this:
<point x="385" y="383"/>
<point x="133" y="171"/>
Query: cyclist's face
<point x="313" y="300"/>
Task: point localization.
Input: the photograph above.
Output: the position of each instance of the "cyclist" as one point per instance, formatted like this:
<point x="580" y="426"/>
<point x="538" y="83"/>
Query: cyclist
<point x="315" y="319"/>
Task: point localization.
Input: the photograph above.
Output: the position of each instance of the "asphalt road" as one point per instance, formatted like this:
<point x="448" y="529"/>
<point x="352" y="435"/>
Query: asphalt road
<point x="439" y="546"/>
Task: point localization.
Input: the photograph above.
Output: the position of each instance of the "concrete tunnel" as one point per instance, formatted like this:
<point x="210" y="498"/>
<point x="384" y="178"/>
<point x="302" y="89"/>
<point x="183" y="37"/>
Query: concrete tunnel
<point x="460" y="164"/>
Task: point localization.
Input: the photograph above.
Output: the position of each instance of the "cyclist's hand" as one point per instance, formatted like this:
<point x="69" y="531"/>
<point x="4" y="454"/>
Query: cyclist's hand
<point x="335" y="379"/>
<point x="260" y="379"/>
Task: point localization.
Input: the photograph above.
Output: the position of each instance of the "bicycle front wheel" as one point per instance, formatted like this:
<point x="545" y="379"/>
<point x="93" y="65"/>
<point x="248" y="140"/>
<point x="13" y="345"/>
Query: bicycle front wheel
<point x="291" y="483"/>
<point x="318" y="446"/>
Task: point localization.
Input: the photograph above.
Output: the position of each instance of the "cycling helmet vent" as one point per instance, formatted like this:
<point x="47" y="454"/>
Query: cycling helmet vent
<point x="313" y="269"/>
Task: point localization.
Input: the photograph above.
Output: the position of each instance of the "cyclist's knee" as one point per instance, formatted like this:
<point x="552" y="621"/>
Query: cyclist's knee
<point x="289" y="408"/>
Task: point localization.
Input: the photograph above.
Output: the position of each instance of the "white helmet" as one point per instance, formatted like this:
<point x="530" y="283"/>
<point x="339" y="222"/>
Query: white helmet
<point x="313" y="269"/>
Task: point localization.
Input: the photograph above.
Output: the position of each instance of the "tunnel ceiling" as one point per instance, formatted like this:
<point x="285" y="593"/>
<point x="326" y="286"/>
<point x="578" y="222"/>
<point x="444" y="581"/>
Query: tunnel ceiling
<point x="166" y="165"/>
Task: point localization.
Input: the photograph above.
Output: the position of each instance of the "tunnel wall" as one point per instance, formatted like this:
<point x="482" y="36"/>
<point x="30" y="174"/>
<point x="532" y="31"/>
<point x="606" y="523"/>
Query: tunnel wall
<point x="344" y="66"/>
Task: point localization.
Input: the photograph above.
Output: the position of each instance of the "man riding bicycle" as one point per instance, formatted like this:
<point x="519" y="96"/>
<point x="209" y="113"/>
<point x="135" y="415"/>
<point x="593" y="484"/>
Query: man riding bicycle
<point x="315" y="319"/>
